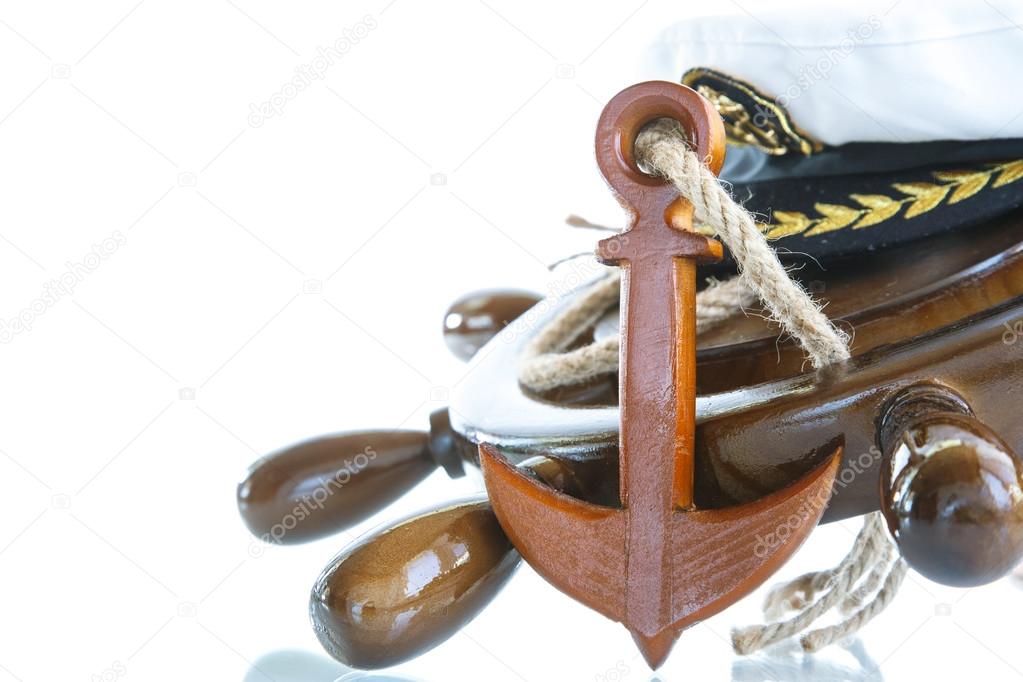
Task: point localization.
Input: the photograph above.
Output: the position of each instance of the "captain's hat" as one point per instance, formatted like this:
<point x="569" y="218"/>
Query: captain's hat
<point x="852" y="130"/>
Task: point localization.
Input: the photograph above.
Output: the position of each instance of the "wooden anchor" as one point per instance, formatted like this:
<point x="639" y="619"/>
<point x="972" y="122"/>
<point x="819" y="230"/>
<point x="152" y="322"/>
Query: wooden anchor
<point x="656" y="564"/>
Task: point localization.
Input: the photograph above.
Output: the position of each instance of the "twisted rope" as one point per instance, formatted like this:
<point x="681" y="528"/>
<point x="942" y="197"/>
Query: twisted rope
<point x="871" y="554"/>
<point x="662" y="148"/>
<point x="867" y="579"/>
<point x="545" y="365"/>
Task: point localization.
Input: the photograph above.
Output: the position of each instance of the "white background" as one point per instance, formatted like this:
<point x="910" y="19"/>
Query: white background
<point x="287" y="280"/>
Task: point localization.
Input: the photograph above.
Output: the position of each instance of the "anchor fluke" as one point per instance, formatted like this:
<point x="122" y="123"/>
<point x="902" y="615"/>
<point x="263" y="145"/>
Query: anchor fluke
<point x="576" y="546"/>
<point x="714" y="556"/>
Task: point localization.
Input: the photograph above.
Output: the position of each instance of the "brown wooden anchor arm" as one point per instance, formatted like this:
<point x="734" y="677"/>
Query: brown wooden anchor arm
<point x="577" y="546"/>
<point x="741" y="546"/>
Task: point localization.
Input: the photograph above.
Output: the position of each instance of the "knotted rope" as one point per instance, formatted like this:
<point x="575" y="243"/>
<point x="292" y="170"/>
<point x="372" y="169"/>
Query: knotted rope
<point x="863" y="583"/>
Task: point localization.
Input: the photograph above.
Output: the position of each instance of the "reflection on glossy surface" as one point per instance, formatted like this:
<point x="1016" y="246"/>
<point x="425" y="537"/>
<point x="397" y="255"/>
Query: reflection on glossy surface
<point x="364" y="676"/>
<point x="410" y="587"/>
<point x="295" y="665"/>
<point x="786" y="662"/>
<point x="475" y="318"/>
<point x="325" y="485"/>
<point x="593" y="480"/>
<point x="955" y="501"/>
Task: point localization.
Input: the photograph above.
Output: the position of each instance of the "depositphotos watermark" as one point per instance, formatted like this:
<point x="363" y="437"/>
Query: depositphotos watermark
<point x="61" y="287"/>
<point x="812" y="507"/>
<point x="314" y="501"/>
<point x="812" y="73"/>
<point x="309" y="73"/>
<point x="580" y="271"/>
<point x="617" y="673"/>
<point x="114" y="671"/>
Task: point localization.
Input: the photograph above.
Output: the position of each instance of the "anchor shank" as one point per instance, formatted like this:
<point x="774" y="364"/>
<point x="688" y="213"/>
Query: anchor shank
<point x="658" y="404"/>
<point x="657" y="396"/>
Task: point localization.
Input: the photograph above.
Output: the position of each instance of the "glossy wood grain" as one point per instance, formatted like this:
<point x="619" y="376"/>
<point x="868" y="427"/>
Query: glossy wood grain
<point x="475" y="318"/>
<point x="884" y="298"/>
<point x="408" y="588"/>
<point x="951" y="489"/>
<point x="404" y="589"/>
<point x="750" y="441"/>
<point x="324" y="485"/>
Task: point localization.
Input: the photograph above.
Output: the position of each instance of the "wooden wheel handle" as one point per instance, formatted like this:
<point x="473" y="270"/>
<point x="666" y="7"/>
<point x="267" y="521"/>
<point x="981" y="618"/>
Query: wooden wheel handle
<point x="406" y="588"/>
<point x="475" y="318"/>
<point x="951" y="489"/>
<point x="325" y="485"/>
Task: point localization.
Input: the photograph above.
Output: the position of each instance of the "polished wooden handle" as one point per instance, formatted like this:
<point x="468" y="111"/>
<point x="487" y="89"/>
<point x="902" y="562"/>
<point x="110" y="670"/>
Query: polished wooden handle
<point x="951" y="489"/>
<point x="328" y="484"/>
<point x="477" y="317"/>
<point x="408" y="587"/>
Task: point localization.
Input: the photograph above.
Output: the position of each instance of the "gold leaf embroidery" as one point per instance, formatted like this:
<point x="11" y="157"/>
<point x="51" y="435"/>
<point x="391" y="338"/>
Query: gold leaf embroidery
<point x="969" y="183"/>
<point x="1010" y="172"/>
<point x="928" y="195"/>
<point x="879" y="209"/>
<point x="758" y="121"/>
<point x="835" y="218"/>
<point x="921" y="197"/>
<point x="788" y="223"/>
<point x="873" y="200"/>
